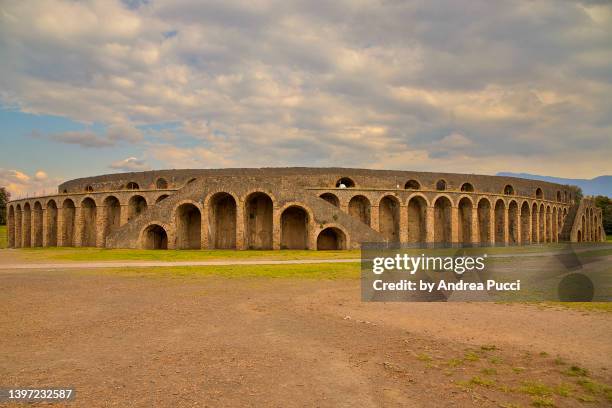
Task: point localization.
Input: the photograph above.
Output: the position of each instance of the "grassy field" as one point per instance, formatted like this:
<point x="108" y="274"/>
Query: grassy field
<point x="3" y="237"/>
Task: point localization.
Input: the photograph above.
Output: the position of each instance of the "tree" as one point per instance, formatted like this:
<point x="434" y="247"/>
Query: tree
<point x="4" y="199"/>
<point x="605" y="203"/>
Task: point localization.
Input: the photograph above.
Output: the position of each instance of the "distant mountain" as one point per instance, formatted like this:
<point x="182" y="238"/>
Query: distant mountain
<point x="601" y="185"/>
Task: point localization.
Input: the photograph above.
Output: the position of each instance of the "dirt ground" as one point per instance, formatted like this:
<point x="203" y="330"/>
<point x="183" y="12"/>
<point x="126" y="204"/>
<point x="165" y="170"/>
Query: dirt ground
<point x="134" y="340"/>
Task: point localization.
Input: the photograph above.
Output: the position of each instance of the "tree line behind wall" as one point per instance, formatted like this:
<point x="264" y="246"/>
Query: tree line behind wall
<point x="605" y="203"/>
<point x="4" y="199"/>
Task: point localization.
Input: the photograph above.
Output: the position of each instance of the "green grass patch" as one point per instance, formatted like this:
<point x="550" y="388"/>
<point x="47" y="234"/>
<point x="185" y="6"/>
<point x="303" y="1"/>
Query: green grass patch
<point x="542" y="402"/>
<point x="99" y="254"/>
<point x="488" y="347"/>
<point x="483" y="382"/>
<point x="595" y="388"/>
<point x="575" y="371"/>
<point x="3" y="236"/>
<point x="535" y="388"/>
<point x="471" y="356"/>
<point x="424" y="357"/>
<point x="583" y="306"/>
<point x="298" y="271"/>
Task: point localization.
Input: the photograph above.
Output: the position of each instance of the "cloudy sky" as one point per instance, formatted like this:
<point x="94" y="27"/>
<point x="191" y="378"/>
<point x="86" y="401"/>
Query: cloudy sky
<point x="92" y="87"/>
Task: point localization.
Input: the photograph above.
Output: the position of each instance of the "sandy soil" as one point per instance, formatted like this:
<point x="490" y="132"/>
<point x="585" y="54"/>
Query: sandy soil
<point x="129" y="340"/>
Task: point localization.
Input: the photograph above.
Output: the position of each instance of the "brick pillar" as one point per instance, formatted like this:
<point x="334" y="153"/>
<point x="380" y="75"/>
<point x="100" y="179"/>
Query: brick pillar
<point x="204" y="230"/>
<point x="429" y="224"/>
<point x="45" y="228"/>
<point x="78" y="227"/>
<point x="403" y="224"/>
<point x="475" y="229"/>
<point x="506" y="226"/>
<point x="100" y="224"/>
<point x="454" y="224"/>
<point x="240" y="225"/>
<point x="492" y="225"/>
<point x="519" y="228"/>
<point x="123" y="217"/>
<point x="276" y="229"/>
<point x="60" y="227"/>
<point x="375" y="218"/>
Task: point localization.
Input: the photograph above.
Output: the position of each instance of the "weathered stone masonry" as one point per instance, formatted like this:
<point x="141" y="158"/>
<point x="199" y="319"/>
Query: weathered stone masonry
<point x="300" y="208"/>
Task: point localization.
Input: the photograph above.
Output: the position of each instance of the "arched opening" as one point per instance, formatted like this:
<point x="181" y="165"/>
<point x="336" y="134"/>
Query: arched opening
<point x="27" y="225"/>
<point x="18" y="227"/>
<point x="508" y="190"/>
<point x="345" y="182"/>
<point x="534" y="223"/>
<point x="112" y="215"/>
<point x="467" y="187"/>
<point x="465" y="221"/>
<point x="500" y="222"/>
<point x="64" y="191"/>
<point x="331" y="198"/>
<point x="132" y="186"/>
<point x="442" y="221"/>
<point x="542" y="221"/>
<point x="417" y="211"/>
<point x="555" y="224"/>
<point x="52" y="223"/>
<point x="331" y="239"/>
<point x="161" y="184"/>
<point x="188" y="227"/>
<point x="88" y="223"/>
<point x="89" y="189"/>
<point x="11" y="227"/>
<point x="222" y="221"/>
<point x="68" y="216"/>
<point x="441" y="185"/>
<point x="525" y="223"/>
<point x="548" y="224"/>
<point x="539" y="194"/>
<point x="558" y="195"/>
<point x="484" y="221"/>
<point x="513" y="223"/>
<point x="412" y="185"/>
<point x="258" y="220"/>
<point x="294" y="228"/>
<point x="579" y="236"/>
<point x="136" y="206"/>
<point x="37" y="225"/>
<point x="359" y="208"/>
<point x="161" y="198"/>
<point x="389" y="218"/>
<point x="155" y="237"/>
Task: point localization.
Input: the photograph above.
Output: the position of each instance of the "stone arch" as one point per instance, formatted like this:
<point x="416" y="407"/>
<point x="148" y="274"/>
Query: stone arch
<point x="132" y="185"/>
<point x="464" y="226"/>
<point x="442" y="220"/>
<point x="534" y="223"/>
<point x="345" y="182"/>
<point x="542" y="218"/>
<point x="331" y="238"/>
<point x="154" y="236"/>
<point x="513" y="223"/>
<point x="500" y="222"/>
<point x="359" y="207"/>
<point x="52" y="223"/>
<point x="539" y="194"/>
<point x="27" y="225"/>
<point x="441" y="185"/>
<point x="294" y="228"/>
<point x="525" y="223"/>
<point x="222" y="212"/>
<point x="188" y="221"/>
<point x="136" y="206"/>
<point x="89" y="189"/>
<point x="331" y="198"/>
<point x="508" y="189"/>
<point x="412" y="185"/>
<point x="11" y="226"/>
<point x="161" y="198"/>
<point x="161" y="184"/>
<point x="484" y="220"/>
<point x="112" y="215"/>
<point x="18" y="226"/>
<point x="259" y="214"/>
<point x="417" y="219"/>
<point x="68" y="216"/>
<point x="37" y="225"/>
<point x="467" y="187"/>
<point x="389" y="218"/>
<point x="89" y="213"/>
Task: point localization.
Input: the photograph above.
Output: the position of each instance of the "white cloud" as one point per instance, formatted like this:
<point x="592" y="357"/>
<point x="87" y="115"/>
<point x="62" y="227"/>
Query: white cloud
<point x="20" y="184"/>
<point x="130" y="164"/>
<point x="311" y="83"/>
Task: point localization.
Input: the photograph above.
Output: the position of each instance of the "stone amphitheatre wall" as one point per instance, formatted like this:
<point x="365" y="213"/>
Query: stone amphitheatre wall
<point x="300" y="208"/>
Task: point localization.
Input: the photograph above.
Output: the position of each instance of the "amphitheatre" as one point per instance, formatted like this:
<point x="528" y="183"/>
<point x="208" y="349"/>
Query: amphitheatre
<point x="301" y="208"/>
